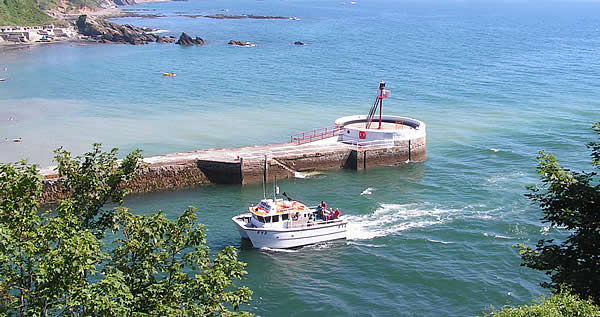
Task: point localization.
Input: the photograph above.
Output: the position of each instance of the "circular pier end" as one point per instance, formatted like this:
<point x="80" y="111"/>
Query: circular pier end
<point x="395" y="130"/>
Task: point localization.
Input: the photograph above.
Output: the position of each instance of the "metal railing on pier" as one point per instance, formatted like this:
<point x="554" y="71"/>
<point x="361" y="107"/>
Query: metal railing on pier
<point x="315" y="135"/>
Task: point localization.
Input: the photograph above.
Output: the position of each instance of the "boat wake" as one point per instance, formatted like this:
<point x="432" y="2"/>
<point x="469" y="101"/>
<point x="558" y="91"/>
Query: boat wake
<point x="278" y="250"/>
<point x="367" y="191"/>
<point x="497" y="236"/>
<point x="439" y="241"/>
<point x="390" y="219"/>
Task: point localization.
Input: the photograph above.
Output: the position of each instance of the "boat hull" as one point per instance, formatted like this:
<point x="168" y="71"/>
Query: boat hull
<point x="290" y="238"/>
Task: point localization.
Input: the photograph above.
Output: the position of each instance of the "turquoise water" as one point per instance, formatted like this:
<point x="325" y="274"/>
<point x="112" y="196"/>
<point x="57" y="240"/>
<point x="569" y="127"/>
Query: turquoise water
<point x="494" y="81"/>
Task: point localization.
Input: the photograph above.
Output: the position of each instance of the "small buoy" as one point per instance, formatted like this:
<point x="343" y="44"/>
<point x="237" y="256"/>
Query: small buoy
<point x="17" y="140"/>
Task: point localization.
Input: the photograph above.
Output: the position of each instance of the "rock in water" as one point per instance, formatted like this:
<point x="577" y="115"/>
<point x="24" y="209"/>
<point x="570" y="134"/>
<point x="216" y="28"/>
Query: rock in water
<point x="240" y="43"/>
<point x="298" y="43"/>
<point x="108" y="32"/>
<point x="185" y="39"/>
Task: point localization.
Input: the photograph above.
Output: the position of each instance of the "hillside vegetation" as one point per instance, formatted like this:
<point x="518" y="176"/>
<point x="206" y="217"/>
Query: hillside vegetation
<point x="23" y="13"/>
<point x="31" y="12"/>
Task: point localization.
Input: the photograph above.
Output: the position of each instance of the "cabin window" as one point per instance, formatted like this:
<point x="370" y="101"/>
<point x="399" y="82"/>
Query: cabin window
<point x="284" y="217"/>
<point x="260" y="218"/>
<point x="276" y="218"/>
<point x="268" y="219"/>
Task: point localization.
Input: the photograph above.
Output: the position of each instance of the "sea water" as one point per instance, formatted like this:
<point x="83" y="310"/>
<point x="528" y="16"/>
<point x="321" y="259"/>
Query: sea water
<point x="494" y="81"/>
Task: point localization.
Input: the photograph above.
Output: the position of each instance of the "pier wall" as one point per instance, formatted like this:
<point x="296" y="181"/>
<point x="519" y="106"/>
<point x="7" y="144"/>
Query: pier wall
<point x="184" y="173"/>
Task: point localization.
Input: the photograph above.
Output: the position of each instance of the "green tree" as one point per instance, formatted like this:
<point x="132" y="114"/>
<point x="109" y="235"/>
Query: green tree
<point x="571" y="200"/>
<point x="153" y="256"/>
<point x="91" y="180"/>
<point x="49" y="259"/>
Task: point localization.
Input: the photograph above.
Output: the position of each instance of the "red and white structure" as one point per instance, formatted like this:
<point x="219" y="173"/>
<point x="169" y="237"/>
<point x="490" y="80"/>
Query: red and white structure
<point x="362" y="130"/>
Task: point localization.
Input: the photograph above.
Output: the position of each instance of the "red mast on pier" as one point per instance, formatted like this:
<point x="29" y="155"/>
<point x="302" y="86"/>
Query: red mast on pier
<point x="378" y="102"/>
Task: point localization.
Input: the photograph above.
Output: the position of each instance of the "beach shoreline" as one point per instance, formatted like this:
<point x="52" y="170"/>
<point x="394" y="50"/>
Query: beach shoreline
<point x="28" y="39"/>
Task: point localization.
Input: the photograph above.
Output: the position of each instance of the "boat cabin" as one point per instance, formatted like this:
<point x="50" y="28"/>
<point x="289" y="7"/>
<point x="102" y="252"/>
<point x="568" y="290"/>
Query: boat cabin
<point x="279" y="213"/>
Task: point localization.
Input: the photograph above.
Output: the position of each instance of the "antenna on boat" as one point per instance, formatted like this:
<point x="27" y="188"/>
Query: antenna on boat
<point x="275" y="190"/>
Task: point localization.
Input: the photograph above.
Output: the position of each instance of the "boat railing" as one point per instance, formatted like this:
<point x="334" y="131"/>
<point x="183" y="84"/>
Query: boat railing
<point x="309" y="223"/>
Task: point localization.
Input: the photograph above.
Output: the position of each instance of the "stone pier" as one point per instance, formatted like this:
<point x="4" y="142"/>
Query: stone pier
<point x="256" y="164"/>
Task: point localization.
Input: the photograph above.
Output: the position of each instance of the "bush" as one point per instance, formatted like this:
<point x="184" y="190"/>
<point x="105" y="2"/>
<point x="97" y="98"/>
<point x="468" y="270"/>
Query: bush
<point x="558" y="305"/>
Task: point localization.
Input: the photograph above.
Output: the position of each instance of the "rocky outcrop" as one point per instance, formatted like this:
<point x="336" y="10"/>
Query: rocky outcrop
<point x="108" y="32"/>
<point x="185" y="39"/>
<point x="124" y="2"/>
<point x="240" y="43"/>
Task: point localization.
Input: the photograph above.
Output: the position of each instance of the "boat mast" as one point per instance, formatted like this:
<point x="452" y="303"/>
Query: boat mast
<point x="264" y="185"/>
<point x="275" y="190"/>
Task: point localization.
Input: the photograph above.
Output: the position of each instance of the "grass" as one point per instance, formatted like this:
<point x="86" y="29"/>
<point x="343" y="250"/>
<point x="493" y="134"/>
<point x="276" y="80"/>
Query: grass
<point x="22" y="13"/>
<point x="30" y="12"/>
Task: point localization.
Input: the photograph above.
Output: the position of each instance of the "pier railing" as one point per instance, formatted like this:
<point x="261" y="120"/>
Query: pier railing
<point x="315" y="135"/>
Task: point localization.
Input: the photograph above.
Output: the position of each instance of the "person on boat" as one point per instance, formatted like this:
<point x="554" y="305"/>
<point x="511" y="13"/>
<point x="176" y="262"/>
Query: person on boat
<point x="336" y="213"/>
<point x="320" y="212"/>
<point x="322" y="206"/>
<point x="329" y="214"/>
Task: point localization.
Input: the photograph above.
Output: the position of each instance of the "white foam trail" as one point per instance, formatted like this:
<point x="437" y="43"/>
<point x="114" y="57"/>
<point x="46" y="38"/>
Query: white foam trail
<point x="501" y="178"/>
<point x="494" y="150"/>
<point x="366" y="244"/>
<point x="497" y="236"/>
<point x="392" y="218"/>
<point x="367" y="191"/>
<point x="278" y="250"/>
<point x="439" y="241"/>
<point x="319" y="246"/>
<point x="307" y="174"/>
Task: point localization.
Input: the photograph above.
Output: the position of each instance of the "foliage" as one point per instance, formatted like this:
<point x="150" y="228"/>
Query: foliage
<point x="570" y="200"/>
<point x="163" y="247"/>
<point x="49" y="260"/>
<point x="22" y="13"/>
<point x="91" y="180"/>
<point x="563" y="304"/>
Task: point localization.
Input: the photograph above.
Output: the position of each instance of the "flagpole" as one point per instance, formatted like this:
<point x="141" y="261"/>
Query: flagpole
<point x="381" y="88"/>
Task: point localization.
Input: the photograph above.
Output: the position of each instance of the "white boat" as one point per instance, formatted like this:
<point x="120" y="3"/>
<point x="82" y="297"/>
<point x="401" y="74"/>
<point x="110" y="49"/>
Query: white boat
<point x="282" y="224"/>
